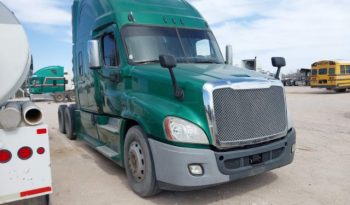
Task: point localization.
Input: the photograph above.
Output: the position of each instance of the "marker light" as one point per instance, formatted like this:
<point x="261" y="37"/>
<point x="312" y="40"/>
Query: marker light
<point x="41" y="131"/>
<point x="5" y="156"/>
<point x="40" y="150"/>
<point x="25" y="153"/>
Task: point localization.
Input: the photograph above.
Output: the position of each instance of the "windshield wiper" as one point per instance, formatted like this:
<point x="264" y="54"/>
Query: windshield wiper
<point x="147" y="61"/>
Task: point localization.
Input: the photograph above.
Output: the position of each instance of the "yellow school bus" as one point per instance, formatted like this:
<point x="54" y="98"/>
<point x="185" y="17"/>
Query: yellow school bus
<point x="333" y="75"/>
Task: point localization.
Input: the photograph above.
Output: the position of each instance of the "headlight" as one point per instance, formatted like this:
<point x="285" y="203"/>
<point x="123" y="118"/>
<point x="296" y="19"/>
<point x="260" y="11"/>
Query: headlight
<point x="290" y="120"/>
<point x="179" y="130"/>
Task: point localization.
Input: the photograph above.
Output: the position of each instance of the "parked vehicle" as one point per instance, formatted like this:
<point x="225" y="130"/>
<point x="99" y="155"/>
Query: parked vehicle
<point x="51" y="83"/>
<point x="299" y="78"/>
<point x="25" y="173"/>
<point x="155" y="96"/>
<point x="333" y="75"/>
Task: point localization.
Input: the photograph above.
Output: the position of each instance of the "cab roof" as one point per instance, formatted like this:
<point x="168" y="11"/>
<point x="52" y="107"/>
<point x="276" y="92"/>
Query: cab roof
<point x="174" y="13"/>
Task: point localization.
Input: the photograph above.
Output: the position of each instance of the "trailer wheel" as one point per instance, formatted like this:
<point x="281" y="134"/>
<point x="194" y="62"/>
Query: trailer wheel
<point x="59" y="97"/>
<point x="71" y="96"/>
<point x="139" y="163"/>
<point x="61" y="116"/>
<point x="69" y="122"/>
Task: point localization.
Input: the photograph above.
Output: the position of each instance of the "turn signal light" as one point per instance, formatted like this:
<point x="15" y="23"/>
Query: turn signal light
<point x="25" y="153"/>
<point x="5" y="156"/>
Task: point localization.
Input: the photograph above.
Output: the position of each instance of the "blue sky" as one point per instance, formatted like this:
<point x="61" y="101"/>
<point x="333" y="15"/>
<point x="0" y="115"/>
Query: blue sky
<point x="303" y="31"/>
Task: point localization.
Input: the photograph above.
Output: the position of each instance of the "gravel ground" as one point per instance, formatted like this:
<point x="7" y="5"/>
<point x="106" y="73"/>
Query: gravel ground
<point x="318" y="175"/>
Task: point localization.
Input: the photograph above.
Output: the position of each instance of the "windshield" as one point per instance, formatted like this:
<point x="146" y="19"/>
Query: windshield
<point x="145" y="44"/>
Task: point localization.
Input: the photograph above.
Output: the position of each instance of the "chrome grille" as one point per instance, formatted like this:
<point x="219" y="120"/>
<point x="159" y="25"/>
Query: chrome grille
<point x="249" y="116"/>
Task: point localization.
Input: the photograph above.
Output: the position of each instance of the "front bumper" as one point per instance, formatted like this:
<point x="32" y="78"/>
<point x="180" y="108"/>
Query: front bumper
<point x="172" y="172"/>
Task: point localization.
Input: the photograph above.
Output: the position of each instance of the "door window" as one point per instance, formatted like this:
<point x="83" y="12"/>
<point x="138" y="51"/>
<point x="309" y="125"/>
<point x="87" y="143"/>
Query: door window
<point x="110" y="52"/>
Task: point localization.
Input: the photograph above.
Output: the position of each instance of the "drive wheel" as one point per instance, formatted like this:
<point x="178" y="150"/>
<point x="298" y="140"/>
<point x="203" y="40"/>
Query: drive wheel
<point x="139" y="163"/>
<point x="59" y="97"/>
<point x="69" y="122"/>
<point x="61" y="116"/>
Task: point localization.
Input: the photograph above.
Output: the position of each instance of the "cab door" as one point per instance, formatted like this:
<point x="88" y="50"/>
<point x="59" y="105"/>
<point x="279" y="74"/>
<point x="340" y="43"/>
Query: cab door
<point x="109" y="78"/>
<point x="109" y="86"/>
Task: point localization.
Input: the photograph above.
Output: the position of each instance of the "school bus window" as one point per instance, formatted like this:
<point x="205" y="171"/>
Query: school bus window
<point x="347" y="69"/>
<point x="322" y="71"/>
<point x="342" y="69"/>
<point x="332" y="71"/>
<point x="314" y="72"/>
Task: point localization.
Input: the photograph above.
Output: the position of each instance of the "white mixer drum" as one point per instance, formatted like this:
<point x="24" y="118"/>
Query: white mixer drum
<point x="15" y="56"/>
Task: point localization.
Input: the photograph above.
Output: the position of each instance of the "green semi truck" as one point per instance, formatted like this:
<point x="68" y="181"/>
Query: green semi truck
<point x="155" y="95"/>
<point x="51" y="83"/>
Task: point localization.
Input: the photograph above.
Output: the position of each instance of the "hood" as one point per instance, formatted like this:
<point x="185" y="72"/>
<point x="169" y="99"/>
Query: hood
<point x="219" y="71"/>
<point x="201" y="73"/>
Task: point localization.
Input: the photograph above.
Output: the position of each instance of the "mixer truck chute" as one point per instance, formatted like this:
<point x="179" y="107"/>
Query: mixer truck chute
<point x="25" y="173"/>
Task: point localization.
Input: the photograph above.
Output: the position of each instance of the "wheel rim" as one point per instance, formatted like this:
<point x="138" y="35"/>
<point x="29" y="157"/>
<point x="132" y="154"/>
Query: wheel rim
<point x="59" y="98"/>
<point x="136" y="161"/>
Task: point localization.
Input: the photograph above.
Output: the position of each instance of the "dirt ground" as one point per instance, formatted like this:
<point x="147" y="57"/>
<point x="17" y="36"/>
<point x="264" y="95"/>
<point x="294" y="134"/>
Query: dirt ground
<point x="320" y="173"/>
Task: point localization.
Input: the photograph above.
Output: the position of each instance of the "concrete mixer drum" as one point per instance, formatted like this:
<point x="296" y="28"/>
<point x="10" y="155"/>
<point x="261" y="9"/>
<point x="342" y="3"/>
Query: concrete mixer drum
<point x="15" y="56"/>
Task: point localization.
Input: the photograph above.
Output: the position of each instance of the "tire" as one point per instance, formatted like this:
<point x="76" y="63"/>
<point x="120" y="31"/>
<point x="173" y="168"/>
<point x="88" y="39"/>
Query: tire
<point x="340" y="90"/>
<point x="71" y="96"/>
<point x="61" y="117"/>
<point x="139" y="163"/>
<point x="59" y="97"/>
<point x="69" y="122"/>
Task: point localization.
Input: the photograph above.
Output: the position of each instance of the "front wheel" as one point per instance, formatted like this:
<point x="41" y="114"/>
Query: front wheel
<point x="139" y="163"/>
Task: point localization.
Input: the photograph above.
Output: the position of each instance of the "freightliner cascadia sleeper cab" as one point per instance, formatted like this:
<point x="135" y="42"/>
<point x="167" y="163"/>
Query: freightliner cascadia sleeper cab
<point x="155" y="95"/>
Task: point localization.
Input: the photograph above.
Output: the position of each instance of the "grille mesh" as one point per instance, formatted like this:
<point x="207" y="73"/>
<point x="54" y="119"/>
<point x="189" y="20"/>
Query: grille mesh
<point x="249" y="116"/>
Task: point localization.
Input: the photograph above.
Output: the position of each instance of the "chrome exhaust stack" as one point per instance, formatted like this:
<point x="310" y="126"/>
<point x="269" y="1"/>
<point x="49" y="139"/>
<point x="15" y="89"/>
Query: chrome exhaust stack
<point x="10" y="116"/>
<point x="32" y="114"/>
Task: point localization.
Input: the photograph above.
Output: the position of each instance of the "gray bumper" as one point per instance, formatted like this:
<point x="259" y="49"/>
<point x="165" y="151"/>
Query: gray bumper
<point x="171" y="163"/>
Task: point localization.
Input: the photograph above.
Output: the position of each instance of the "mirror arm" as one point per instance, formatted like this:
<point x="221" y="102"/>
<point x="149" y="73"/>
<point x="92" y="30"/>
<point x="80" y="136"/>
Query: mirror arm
<point x="277" y="76"/>
<point x="178" y="92"/>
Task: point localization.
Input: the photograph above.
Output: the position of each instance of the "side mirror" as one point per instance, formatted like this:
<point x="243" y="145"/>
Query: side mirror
<point x="229" y="55"/>
<point x="278" y="62"/>
<point x="169" y="62"/>
<point x="94" y="54"/>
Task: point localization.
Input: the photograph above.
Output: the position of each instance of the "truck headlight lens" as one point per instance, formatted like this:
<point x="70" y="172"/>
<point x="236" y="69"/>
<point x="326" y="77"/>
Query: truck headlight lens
<point x="180" y="130"/>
